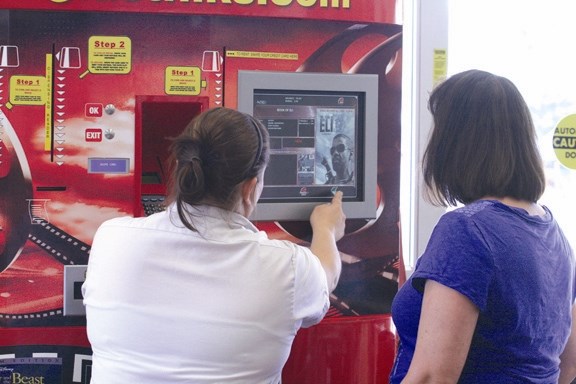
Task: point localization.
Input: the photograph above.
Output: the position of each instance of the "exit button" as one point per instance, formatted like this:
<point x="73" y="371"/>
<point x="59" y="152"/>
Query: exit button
<point x="93" y="134"/>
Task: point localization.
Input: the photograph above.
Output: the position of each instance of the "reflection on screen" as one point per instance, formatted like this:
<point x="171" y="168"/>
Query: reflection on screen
<point x="314" y="144"/>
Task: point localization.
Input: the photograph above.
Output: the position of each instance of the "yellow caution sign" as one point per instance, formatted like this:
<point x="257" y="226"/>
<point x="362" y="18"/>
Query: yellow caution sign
<point x="564" y="141"/>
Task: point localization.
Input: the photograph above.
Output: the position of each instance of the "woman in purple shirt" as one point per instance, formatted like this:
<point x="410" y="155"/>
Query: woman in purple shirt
<point x="491" y="299"/>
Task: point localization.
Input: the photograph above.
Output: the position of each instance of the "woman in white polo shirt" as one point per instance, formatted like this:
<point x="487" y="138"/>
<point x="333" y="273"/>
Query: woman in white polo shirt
<point x="196" y="294"/>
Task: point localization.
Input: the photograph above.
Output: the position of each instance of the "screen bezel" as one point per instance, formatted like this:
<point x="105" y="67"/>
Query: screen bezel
<point x="365" y="206"/>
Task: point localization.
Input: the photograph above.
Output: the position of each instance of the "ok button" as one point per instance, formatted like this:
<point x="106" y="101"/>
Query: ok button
<point x="93" y="110"/>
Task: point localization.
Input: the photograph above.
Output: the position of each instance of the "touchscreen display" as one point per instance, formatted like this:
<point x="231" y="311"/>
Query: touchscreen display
<point x="314" y="144"/>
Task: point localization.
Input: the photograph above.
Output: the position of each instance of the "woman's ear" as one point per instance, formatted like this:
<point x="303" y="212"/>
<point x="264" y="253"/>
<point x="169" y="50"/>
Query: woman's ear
<point x="248" y="191"/>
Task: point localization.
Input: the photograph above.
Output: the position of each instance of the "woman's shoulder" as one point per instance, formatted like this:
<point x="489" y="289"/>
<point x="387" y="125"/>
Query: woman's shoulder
<point x="284" y="244"/>
<point x="122" y="221"/>
<point x="476" y="213"/>
<point x="462" y="215"/>
<point x="118" y="220"/>
<point x="471" y="221"/>
<point x="473" y="209"/>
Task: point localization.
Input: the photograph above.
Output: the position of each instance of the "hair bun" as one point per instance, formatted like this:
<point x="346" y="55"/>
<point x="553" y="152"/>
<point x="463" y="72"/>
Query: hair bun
<point x="196" y="158"/>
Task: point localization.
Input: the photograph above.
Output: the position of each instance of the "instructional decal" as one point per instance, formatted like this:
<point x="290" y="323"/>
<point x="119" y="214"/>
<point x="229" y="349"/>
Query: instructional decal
<point x="183" y="81"/>
<point x="440" y="66"/>
<point x="262" y="55"/>
<point x="109" y="54"/>
<point x="27" y="90"/>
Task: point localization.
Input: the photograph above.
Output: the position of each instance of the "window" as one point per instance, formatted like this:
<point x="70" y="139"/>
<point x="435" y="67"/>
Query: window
<point x="527" y="42"/>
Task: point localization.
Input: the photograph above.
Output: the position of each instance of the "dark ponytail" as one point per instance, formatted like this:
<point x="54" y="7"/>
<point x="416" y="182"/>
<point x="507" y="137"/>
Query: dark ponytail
<point x="217" y="151"/>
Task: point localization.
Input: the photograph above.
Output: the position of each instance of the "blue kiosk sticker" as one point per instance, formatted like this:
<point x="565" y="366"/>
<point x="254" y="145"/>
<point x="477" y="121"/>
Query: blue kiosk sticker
<point x="108" y="165"/>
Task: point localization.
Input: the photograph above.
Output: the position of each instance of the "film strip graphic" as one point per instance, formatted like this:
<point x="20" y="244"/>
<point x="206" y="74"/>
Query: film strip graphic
<point x="46" y="367"/>
<point x="46" y="315"/>
<point x="59" y="244"/>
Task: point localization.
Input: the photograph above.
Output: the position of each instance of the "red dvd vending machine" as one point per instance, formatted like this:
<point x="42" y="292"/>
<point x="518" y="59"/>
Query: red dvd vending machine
<point x="91" y="92"/>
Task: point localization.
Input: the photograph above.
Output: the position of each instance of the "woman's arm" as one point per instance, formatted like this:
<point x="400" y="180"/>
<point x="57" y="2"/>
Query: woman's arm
<point x="328" y="224"/>
<point x="445" y="331"/>
<point x="568" y="357"/>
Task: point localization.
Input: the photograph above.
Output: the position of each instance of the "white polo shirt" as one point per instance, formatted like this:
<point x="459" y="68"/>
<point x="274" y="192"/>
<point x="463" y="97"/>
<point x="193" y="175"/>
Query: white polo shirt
<point x="222" y="305"/>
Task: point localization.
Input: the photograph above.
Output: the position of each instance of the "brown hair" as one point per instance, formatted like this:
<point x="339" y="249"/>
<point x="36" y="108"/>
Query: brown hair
<point x="483" y="142"/>
<point x="216" y="152"/>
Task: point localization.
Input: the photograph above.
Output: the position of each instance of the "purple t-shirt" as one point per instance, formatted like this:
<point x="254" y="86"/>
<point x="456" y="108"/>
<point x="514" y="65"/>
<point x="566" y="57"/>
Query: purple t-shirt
<point x="519" y="270"/>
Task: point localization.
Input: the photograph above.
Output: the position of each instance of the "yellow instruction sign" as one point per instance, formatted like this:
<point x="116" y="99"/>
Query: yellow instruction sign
<point x="48" y="105"/>
<point x="564" y="141"/>
<point x="183" y="81"/>
<point x="109" y="54"/>
<point x="28" y="90"/>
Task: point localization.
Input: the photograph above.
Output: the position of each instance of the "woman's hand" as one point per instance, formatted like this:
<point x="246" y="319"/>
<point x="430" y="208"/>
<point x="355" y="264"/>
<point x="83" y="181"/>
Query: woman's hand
<point x="330" y="217"/>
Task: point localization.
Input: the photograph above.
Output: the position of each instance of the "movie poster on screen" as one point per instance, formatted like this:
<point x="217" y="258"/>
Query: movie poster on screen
<point x="335" y="133"/>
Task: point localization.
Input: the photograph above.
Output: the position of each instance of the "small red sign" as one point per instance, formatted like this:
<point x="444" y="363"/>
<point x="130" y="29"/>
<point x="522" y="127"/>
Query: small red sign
<point x="93" y="134"/>
<point x="93" y="110"/>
